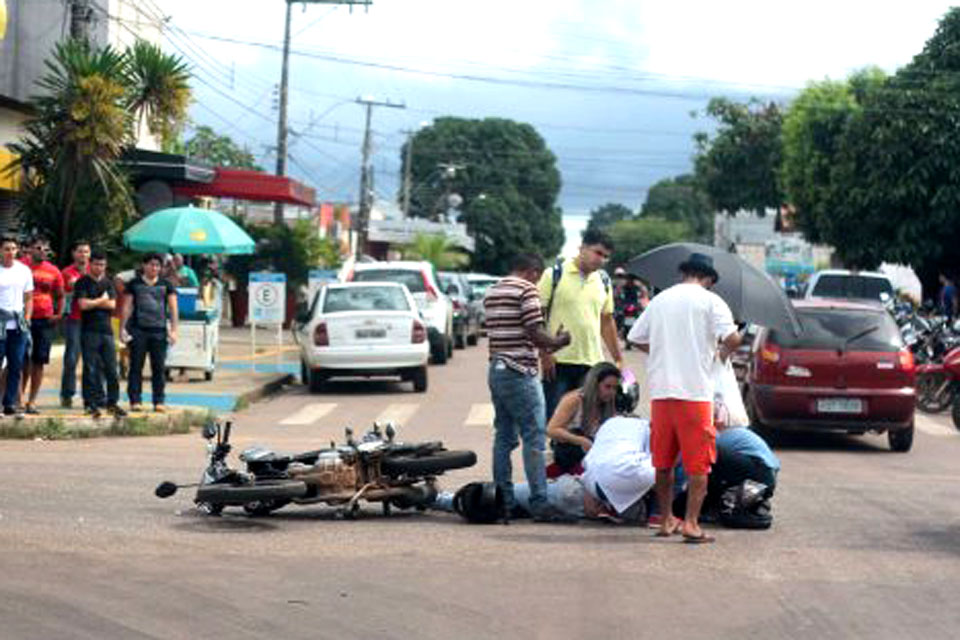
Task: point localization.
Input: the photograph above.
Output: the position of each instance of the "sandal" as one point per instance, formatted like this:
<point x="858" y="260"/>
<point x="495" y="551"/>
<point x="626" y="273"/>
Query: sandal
<point x="670" y="531"/>
<point x="703" y="538"/>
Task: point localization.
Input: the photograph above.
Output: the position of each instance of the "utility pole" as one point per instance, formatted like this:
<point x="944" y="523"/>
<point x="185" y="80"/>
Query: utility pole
<point x="366" y="186"/>
<point x="81" y="14"/>
<point x="407" y="172"/>
<point x="282" y="129"/>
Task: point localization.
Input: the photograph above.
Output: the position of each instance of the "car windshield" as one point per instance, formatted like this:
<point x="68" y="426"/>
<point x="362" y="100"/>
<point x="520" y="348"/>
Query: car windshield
<point x="851" y="286"/>
<point x="413" y="279"/>
<point x="365" y="299"/>
<point x="446" y="281"/>
<point x="839" y="328"/>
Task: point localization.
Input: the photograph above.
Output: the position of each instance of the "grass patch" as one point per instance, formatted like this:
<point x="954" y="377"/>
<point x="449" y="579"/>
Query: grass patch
<point x="60" y="429"/>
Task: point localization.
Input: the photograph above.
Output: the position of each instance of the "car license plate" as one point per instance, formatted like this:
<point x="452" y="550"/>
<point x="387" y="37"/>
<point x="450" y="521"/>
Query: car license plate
<point x="371" y="333"/>
<point x="839" y="405"/>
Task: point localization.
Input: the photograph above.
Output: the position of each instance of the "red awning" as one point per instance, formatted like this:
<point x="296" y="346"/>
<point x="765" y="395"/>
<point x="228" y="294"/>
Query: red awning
<point x="244" y="184"/>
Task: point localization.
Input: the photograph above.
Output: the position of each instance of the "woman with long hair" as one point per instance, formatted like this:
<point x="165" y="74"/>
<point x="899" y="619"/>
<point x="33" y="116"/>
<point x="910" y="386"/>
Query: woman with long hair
<point x="580" y="413"/>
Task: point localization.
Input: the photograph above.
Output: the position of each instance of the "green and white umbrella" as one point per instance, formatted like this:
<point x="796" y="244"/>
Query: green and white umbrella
<point x="190" y="231"/>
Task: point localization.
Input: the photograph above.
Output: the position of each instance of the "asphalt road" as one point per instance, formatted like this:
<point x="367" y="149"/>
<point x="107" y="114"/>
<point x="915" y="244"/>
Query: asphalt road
<point x="866" y="543"/>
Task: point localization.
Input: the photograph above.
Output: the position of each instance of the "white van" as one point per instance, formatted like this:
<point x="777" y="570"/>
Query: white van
<point x="849" y="285"/>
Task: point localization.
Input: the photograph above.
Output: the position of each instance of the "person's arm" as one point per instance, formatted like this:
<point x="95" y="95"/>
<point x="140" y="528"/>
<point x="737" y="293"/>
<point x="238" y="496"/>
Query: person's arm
<point x="544" y="341"/>
<point x="108" y="299"/>
<point x="28" y="305"/>
<point x="725" y="328"/>
<point x="608" y="329"/>
<point x="174" y="317"/>
<point x="639" y="334"/>
<point x="125" y="314"/>
<point x="545" y="290"/>
<point x="60" y="290"/>
<point x="558" y="428"/>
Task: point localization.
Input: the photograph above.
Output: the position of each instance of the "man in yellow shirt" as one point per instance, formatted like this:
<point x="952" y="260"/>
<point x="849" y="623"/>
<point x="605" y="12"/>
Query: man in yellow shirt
<point x="580" y="301"/>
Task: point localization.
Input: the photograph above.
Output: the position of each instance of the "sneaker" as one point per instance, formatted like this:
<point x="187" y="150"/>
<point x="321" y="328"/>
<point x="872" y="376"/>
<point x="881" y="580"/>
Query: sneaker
<point x="66" y="403"/>
<point x="32" y="410"/>
<point x="95" y="413"/>
<point x="136" y="407"/>
<point x="9" y="411"/>
<point x="116" y="410"/>
<point x="160" y="408"/>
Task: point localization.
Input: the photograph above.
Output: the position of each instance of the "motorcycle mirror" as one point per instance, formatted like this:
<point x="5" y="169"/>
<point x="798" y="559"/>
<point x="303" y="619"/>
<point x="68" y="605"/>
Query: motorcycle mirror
<point x="165" y="489"/>
<point x="390" y="432"/>
<point x="209" y="430"/>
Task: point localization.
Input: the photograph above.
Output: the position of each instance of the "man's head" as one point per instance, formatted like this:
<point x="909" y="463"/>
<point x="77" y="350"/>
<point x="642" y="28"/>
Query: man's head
<point x="39" y="249"/>
<point x="698" y="268"/>
<point x="177" y="260"/>
<point x="151" y="264"/>
<point x="8" y="249"/>
<point x="527" y="266"/>
<point x="98" y="263"/>
<point x="595" y="249"/>
<point x="80" y="251"/>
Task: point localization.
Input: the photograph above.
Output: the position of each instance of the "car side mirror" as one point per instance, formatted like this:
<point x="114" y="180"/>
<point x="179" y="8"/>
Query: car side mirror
<point x="209" y="430"/>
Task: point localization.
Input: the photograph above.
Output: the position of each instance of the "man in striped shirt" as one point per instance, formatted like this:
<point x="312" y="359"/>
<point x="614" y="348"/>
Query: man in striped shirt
<point x="515" y="329"/>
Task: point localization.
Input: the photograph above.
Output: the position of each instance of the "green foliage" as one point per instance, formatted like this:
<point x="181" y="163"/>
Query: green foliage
<point x="680" y="199"/>
<point x="605" y="215"/>
<point x="507" y="177"/>
<point x="738" y="166"/>
<point x="82" y="122"/>
<point x="220" y="151"/>
<point x="159" y="92"/>
<point x="293" y="250"/>
<point x="633" y="237"/>
<point x="437" y="250"/>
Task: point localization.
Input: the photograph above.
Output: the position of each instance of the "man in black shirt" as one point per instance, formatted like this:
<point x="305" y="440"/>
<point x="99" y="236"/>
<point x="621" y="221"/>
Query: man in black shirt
<point x="97" y="299"/>
<point x="148" y="301"/>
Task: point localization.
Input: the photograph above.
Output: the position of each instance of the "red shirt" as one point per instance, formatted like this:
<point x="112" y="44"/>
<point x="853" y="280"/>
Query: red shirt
<point x="70" y="276"/>
<point x="46" y="282"/>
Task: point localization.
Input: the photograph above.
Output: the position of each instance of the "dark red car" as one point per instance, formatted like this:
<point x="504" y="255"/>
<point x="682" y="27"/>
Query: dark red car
<point x="848" y="371"/>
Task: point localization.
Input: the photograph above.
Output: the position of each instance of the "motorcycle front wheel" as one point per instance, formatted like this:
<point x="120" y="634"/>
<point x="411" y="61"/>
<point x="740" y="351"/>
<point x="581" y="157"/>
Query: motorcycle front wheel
<point x="429" y="464"/>
<point x="934" y="392"/>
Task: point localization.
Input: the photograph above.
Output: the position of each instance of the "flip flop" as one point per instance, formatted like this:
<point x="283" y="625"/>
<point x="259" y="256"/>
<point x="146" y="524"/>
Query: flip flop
<point x="703" y="538"/>
<point x="672" y="531"/>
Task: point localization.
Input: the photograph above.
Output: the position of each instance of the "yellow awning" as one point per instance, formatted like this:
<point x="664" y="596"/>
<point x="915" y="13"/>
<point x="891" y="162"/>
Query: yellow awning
<point x="9" y="180"/>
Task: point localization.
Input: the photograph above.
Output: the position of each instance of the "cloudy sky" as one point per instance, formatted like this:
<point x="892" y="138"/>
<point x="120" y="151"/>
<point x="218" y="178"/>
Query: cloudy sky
<point x="611" y="85"/>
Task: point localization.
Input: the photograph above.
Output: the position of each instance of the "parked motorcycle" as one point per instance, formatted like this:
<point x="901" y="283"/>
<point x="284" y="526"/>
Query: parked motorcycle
<point x="628" y="317"/>
<point x="938" y="385"/>
<point x="376" y="469"/>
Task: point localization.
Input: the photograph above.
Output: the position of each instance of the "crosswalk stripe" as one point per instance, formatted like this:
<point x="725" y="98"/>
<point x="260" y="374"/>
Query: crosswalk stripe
<point x="310" y="413"/>
<point x="398" y="413"/>
<point x="932" y="427"/>
<point x="481" y="415"/>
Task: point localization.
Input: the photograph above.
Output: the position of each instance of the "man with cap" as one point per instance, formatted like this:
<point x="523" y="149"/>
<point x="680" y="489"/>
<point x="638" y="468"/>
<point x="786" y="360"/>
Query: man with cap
<point x="683" y="329"/>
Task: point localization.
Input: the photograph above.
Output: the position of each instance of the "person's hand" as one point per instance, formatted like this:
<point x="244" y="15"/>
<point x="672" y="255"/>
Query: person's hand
<point x="125" y="337"/>
<point x="172" y="335"/>
<point x="548" y="365"/>
<point x="561" y="340"/>
<point x="586" y="444"/>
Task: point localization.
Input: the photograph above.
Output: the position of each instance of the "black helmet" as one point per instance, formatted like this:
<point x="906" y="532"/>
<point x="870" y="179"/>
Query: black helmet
<point x="628" y="393"/>
<point x="479" y="502"/>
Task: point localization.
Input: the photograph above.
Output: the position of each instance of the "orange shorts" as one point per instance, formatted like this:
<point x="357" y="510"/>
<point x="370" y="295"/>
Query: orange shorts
<point x="684" y="427"/>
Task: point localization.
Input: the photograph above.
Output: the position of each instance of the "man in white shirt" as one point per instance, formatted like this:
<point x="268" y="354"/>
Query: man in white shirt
<point x="16" y="310"/>
<point x="682" y="330"/>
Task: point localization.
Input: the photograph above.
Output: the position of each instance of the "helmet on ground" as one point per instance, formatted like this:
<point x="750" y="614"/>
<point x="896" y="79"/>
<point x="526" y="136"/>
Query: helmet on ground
<point x="628" y="393"/>
<point x="479" y="502"/>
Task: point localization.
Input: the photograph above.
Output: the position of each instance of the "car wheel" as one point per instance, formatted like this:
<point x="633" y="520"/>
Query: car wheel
<point x="473" y="338"/>
<point x="304" y="373"/>
<point x="460" y="341"/>
<point x="419" y="379"/>
<point x="901" y="440"/>
<point x="955" y="412"/>
<point x="450" y="347"/>
<point x="317" y="380"/>
<point x="439" y="354"/>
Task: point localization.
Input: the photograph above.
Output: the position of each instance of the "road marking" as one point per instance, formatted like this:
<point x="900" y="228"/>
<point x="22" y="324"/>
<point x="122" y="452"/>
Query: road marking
<point x="310" y="413"/>
<point x="398" y="413"/>
<point x="932" y="427"/>
<point x="481" y="415"/>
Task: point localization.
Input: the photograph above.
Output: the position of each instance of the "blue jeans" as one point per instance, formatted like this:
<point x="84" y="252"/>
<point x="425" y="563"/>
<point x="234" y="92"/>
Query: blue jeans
<point x="71" y="355"/>
<point x="12" y="343"/>
<point x="518" y="414"/>
<point x="99" y="366"/>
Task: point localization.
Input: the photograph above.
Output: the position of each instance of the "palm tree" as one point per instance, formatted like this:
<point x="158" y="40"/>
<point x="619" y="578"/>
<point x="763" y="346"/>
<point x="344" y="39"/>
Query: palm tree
<point x="436" y="249"/>
<point x="81" y="125"/>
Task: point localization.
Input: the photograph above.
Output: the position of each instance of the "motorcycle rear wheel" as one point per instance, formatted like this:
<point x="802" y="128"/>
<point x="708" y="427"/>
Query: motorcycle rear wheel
<point x="239" y="495"/>
<point x="930" y="398"/>
<point x="955" y="413"/>
<point x="430" y="464"/>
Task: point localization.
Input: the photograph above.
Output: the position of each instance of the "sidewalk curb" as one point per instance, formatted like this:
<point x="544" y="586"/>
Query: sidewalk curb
<point x="263" y="391"/>
<point x="70" y="427"/>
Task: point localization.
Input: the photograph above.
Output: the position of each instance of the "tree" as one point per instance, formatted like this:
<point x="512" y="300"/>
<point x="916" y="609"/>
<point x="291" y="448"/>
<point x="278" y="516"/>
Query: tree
<point x="436" y="249"/>
<point x="604" y="216"/>
<point x="680" y="199"/>
<point x="218" y="150"/>
<point x="80" y="125"/>
<point x="738" y="166"/>
<point x="633" y="237"/>
<point x="507" y="178"/>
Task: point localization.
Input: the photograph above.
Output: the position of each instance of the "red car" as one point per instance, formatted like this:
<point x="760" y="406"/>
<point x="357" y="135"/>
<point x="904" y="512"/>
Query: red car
<point x="848" y="371"/>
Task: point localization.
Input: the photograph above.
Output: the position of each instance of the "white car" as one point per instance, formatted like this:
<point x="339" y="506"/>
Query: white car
<point x="849" y="285"/>
<point x="363" y="329"/>
<point x="422" y="281"/>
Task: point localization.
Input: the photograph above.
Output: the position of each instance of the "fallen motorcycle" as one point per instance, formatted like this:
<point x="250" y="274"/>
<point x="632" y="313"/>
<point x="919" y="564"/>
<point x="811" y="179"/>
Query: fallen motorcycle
<point x="377" y="469"/>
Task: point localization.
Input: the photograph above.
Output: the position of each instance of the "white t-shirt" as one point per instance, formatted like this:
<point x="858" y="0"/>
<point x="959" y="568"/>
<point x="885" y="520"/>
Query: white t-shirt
<point x="683" y="326"/>
<point x="619" y="461"/>
<point x="14" y="282"/>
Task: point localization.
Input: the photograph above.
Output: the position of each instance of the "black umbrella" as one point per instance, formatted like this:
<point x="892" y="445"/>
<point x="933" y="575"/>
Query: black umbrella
<point x="751" y="294"/>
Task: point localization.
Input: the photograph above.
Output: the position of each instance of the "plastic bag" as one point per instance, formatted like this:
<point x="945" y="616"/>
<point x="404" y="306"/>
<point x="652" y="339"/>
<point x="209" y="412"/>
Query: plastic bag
<point x="726" y="387"/>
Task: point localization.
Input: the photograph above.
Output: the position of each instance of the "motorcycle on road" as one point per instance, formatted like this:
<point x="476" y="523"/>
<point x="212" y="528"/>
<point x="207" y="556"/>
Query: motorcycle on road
<point x="376" y="469"/>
